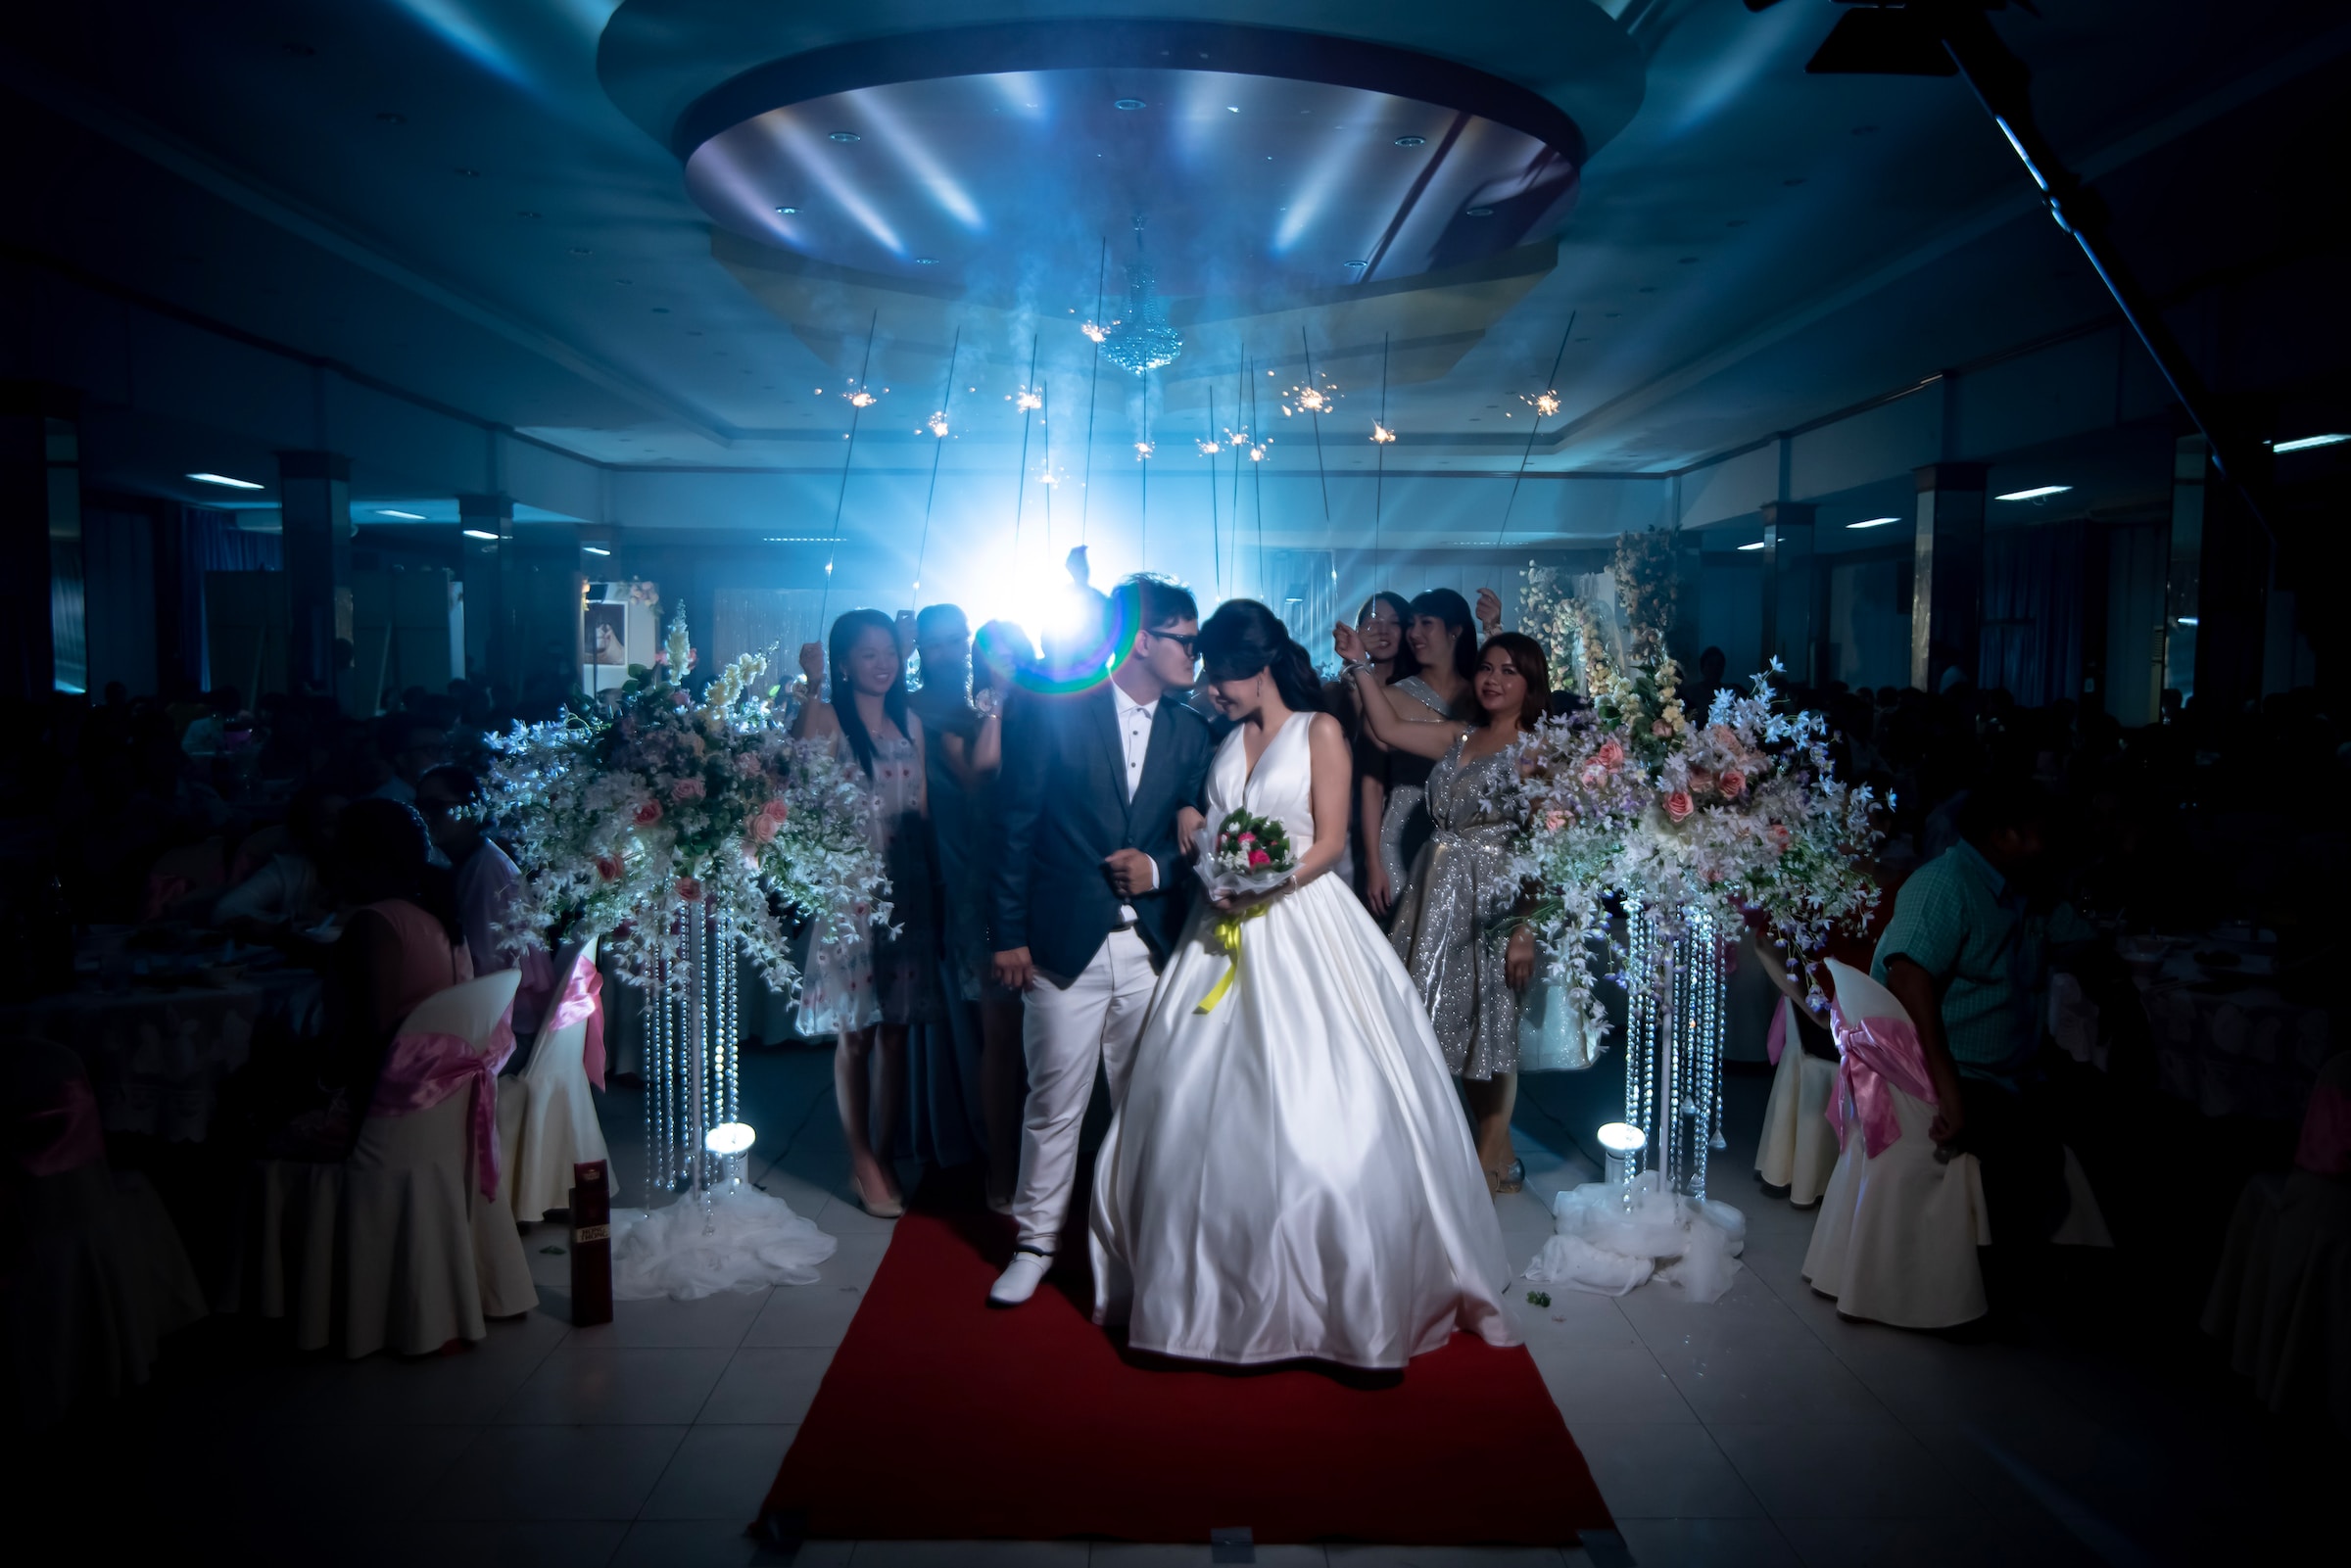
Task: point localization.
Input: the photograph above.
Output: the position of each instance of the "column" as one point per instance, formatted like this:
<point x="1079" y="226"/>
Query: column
<point x="2174" y="663"/>
<point x="1947" y="585"/>
<point x="2216" y="592"/>
<point x="1793" y="616"/>
<point x="314" y="504"/>
<point x="42" y="647"/>
<point x="486" y="524"/>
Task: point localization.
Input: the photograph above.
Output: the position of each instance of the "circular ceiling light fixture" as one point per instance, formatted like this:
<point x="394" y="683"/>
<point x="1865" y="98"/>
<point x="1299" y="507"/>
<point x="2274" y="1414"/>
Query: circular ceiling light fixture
<point x="1477" y="211"/>
<point x="847" y="137"/>
<point x="925" y="261"/>
<point x="1129" y="103"/>
<point x="1411" y="141"/>
<point x="788" y="212"/>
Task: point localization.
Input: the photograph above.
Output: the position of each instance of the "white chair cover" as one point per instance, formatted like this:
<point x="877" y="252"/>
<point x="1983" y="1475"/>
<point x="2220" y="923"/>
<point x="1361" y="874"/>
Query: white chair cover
<point x="1898" y="1233"/>
<point x="396" y="1246"/>
<point x="1798" y="1147"/>
<point x="96" y="1275"/>
<point x="545" y="1115"/>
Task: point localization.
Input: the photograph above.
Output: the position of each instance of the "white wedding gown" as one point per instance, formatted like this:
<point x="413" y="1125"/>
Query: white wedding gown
<point x="1292" y="1175"/>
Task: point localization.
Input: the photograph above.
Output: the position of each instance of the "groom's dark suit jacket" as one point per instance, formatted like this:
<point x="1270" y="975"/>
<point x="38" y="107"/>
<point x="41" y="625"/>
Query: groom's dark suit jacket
<point x="1062" y="807"/>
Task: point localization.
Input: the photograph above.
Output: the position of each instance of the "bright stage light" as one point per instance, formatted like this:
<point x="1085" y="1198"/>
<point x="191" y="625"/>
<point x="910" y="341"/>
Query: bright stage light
<point x="2305" y="443"/>
<point x="223" y="479"/>
<point x="1622" y="1138"/>
<point x="2035" y="494"/>
<point x="1873" y="522"/>
<point x="729" y="1138"/>
<point x="481" y="533"/>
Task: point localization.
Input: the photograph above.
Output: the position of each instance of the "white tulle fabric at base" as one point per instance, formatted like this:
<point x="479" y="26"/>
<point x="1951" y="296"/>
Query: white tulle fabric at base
<point x="1612" y="1240"/>
<point x="752" y="1241"/>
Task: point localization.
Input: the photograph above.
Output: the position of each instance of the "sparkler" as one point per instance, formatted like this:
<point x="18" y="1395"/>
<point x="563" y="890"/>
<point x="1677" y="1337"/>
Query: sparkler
<point x="1019" y="492"/>
<point x="1381" y="434"/>
<point x="1553" y="397"/>
<point x="1029" y="402"/>
<point x="848" y="456"/>
<point x="1382" y="438"/>
<point x="861" y="399"/>
<point x="938" y="428"/>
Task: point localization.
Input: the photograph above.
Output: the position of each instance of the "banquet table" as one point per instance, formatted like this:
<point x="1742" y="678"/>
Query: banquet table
<point x="158" y="1056"/>
<point x="2226" y="1040"/>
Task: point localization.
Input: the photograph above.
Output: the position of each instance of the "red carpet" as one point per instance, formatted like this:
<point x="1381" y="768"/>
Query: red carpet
<point x="941" y="1419"/>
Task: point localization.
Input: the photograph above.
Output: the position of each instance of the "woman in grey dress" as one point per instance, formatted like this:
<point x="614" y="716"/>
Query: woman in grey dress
<point x="1470" y="977"/>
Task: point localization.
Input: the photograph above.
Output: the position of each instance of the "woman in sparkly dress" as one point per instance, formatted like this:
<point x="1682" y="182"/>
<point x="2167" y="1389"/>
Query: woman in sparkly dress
<point x="1443" y="643"/>
<point x="1470" y="977"/>
<point x="868" y="988"/>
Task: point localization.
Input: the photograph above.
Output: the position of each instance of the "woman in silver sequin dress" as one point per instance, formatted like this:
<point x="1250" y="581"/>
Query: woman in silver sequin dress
<point x="1470" y="977"/>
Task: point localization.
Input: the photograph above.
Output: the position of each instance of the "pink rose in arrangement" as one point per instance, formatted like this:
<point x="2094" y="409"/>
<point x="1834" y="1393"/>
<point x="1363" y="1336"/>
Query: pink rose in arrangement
<point x="1257" y="857"/>
<point x="607" y="868"/>
<point x="748" y="765"/>
<point x="1595" y="775"/>
<point x="761" y="827"/>
<point x="1660" y="729"/>
<point x="1610" y="755"/>
<point x="1679" y="805"/>
<point x="686" y="790"/>
<point x="690" y="890"/>
<point x="1732" y="783"/>
<point x="1701" y="779"/>
<point x="1555" y="820"/>
<point x="1248" y="838"/>
<point x="648" y="813"/>
<point x="1779" y="835"/>
<point x="776" y="809"/>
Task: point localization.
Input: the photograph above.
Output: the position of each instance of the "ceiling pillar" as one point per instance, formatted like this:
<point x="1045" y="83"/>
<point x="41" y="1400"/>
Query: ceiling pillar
<point x="314" y="504"/>
<point x="480" y="592"/>
<point x="1793" y="618"/>
<point x="1948" y="585"/>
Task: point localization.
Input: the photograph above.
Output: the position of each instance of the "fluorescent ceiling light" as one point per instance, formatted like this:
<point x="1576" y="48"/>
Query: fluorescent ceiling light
<point x="2035" y="494"/>
<point x="2186" y="620"/>
<point x="405" y="517"/>
<point x="1757" y="545"/>
<point x="1873" y="522"/>
<point x="481" y="533"/>
<point x="595" y="549"/>
<point x="2305" y="443"/>
<point x="223" y="479"/>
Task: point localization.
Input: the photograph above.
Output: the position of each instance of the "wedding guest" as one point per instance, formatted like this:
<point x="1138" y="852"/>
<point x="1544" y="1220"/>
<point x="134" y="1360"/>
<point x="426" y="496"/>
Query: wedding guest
<point x="1469" y="978"/>
<point x="997" y="655"/>
<point x="1967" y="953"/>
<point x="450" y="801"/>
<point x="870" y="988"/>
<point x="413" y="745"/>
<point x="943" y="1066"/>
<point x="1440" y="635"/>
<point x="1379" y="627"/>
<point x="290" y="890"/>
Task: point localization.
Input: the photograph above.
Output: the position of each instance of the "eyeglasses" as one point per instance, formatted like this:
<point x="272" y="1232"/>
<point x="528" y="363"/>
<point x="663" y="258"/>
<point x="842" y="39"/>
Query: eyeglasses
<point x="1185" y="642"/>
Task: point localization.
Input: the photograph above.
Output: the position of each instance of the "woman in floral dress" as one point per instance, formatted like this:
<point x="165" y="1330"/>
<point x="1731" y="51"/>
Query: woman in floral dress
<point x="870" y="987"/>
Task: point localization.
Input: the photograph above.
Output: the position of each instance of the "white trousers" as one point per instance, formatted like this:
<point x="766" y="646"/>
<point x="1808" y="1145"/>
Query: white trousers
<point x="1064" y="1032"/>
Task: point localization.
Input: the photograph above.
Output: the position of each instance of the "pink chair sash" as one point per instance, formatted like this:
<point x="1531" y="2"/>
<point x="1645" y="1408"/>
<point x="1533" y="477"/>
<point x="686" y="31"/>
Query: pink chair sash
<point x="1881" y="1054"/>
<point x="2326" y="1145"/>
<point x="583" y="1000"/>
<point x="64" y="1134"/>
<point x="420" y="1071"/>
<point x="1775" y="1039"/>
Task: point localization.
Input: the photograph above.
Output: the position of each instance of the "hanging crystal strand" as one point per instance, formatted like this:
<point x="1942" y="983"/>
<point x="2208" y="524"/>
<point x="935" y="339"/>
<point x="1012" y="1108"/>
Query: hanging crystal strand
<point x="698" y="1032"/>
<point x="1701" y="993"/>
<point x="653" y="1149"/>
<point x="1718" y="1010"/>
<point x="1670" y="1068"/>
<point x="729" y="1039"/>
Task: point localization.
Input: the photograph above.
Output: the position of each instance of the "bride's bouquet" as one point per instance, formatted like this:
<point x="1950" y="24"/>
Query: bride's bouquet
<point x="1245" y="854"/>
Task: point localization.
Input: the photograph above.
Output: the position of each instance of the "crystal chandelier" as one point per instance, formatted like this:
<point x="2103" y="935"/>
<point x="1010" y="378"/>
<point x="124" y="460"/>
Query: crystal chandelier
<point x="1141" y="340"/>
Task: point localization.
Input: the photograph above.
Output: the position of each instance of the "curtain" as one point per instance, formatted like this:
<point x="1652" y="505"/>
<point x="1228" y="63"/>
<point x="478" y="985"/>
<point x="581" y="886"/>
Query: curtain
<point x="211" y="541"/>
<point x="2031" y="628"/>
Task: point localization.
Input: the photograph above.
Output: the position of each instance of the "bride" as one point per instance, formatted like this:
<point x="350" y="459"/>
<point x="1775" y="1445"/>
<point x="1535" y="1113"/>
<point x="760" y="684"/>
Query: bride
<point x="1290" y="1175"/>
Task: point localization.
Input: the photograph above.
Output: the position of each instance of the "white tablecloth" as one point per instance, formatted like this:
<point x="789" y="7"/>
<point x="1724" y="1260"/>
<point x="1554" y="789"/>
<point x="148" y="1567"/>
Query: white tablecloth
<point x="2232" y="1052"/>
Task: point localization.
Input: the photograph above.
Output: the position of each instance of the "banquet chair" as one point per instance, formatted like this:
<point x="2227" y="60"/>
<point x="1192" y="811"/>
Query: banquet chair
<point x="545" y="1117"/>
<point x="1798" y="1147"/>
<point x="396" y="1245"/>
<point x="1896" y="1238"/>
<point x="2281" y="1300"/>
<point x="95" y="1272"/>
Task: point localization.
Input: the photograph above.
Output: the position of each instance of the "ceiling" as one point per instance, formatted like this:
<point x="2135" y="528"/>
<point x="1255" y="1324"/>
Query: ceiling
<point x="554" y="216"/>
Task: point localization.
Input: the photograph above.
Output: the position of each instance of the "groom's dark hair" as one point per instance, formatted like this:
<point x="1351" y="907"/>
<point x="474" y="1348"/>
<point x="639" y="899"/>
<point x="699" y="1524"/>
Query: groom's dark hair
<point x="1147" y="602"/>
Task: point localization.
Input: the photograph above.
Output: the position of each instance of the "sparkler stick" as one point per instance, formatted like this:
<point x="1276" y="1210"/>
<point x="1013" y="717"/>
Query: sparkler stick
<point x="1315" y="410"/>
<point x="1085" y="502"/>
<point x="1216" y="530"/>
<point x="1020" y="491"/>
<point x="1535" y="430"/>
<point x="857" y="406"/>
<point x="938" y="428"/>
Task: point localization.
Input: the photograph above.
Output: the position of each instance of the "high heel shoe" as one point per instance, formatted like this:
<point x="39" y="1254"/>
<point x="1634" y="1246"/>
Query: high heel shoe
<point x="886" y="1207"/>
<point x="1510" y="1178"/>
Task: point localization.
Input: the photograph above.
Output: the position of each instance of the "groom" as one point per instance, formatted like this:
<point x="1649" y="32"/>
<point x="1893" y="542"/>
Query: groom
<point x="1087" y="896"/>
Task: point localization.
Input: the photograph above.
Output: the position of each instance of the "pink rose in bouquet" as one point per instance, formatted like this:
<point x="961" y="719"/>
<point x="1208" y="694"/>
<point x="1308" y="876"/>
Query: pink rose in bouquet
<point x="607" y="868"/>
<point x="1732" y="783"/>
<point x="748" y="765"/>
<point x="761" y="827"/>
<point x="1700" y="780"/>
<point x="686" y="790"/>
<point x="1779" y="835"/>
<point x="1555" y="820"/>
<point x="777" y="809"/>
<point x="1679" y="805"/>
<point x="647" y="813"/>
<point x="1610" y="755"/>
<point x="690" y="889"/>
<point x="1660" y="729"/>
<point x="1257" y="857"/>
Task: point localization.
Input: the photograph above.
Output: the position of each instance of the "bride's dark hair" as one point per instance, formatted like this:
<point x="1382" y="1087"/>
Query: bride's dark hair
<point x="1244" y="637"/>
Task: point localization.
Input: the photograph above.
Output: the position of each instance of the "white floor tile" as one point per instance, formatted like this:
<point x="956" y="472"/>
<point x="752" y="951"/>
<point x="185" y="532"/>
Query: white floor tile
<point x="616" y="1385"/>
<point x="720" y="1472"/>
<point x="1843" y="1471"/>
<point x="767" y="1387"/>
<point x="556" y="1472"/>
<point x="1662" y="1470"/>
<point x="1708" y="1544"/>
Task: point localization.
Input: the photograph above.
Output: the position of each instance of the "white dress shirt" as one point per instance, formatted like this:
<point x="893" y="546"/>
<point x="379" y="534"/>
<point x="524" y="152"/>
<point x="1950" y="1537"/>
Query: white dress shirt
<point x="1134" y="736"/>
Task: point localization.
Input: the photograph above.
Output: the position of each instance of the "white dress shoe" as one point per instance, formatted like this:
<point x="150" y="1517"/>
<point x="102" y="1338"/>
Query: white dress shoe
<point x="1019" y="1282"/>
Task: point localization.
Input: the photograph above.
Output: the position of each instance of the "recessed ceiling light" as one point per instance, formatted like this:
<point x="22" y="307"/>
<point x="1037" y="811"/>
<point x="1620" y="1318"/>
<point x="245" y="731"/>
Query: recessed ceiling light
<point x="223" y="479"/>
<point x="1129" y="103"/>
<point x="481" y="533"/>
<point x="1477" y="211"/>
<point x="1757" y="545"/>
<point x="925" y="261"/>
<point x="2305" y="443"/>
<point x="1359" y="265"/>
<point x="2035" y="494"/>
<point x="1230" y="109"/>
<point x="405" y="517"/>
<point x="1873" y="522"/>
<point x="788" y="212"/>
<point x="847" y="137"/>
<point x="595" y="549"/>
<point x="1411" y="141"/>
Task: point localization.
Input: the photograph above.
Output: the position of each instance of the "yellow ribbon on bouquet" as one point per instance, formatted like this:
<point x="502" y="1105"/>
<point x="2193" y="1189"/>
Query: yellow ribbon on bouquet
<point x="1228" y="931"/>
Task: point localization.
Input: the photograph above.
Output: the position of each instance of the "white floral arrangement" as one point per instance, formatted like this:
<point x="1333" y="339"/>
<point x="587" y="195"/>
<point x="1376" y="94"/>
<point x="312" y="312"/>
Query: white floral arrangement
<point x="1741" y="816"/>
<point x="618" y="816"/>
